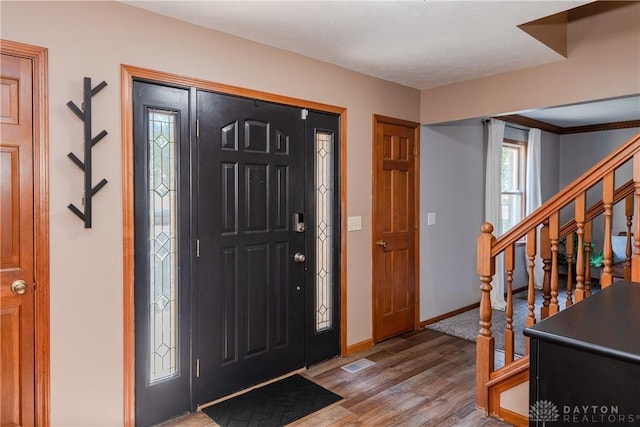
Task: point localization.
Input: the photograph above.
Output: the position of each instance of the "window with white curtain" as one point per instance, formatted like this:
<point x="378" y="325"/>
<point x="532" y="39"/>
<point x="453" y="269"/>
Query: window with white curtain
<point x="513" y="183"/>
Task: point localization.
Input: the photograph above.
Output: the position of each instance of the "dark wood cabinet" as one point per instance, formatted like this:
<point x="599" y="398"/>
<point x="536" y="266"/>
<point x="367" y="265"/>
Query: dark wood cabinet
<point x="585" y="362"/>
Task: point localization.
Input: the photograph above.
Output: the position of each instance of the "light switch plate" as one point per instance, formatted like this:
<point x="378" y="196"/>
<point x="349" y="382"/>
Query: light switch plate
<point x="354" y="223"/>
<point x="431" y="218"/>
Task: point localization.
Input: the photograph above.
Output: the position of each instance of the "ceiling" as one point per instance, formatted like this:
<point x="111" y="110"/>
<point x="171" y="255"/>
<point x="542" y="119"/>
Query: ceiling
<point x="420" y="44"/>
<point x="614" y="110"/>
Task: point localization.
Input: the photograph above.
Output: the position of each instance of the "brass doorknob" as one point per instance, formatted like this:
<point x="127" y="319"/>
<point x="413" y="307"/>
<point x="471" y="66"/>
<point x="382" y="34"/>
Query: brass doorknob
<point x="19" y="287"/>
<point x="381" y="243"/>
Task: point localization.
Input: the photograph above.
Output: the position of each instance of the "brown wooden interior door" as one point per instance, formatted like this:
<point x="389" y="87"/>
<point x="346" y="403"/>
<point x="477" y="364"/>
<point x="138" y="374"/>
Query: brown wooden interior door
<point x="394" y="228"/>
<point x="16" y="247"/>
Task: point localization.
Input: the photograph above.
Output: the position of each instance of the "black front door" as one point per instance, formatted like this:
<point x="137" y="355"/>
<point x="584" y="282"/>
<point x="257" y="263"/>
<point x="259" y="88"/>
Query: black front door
<point x="250" y="270"/>
<point x="236" y="244"/>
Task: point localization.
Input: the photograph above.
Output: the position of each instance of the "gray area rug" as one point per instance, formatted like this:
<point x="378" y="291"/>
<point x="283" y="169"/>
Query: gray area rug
<point x="465" y="325"/>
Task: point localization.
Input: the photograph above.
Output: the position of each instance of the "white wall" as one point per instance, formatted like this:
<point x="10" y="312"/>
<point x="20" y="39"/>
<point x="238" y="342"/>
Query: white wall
<point x="451" y="185"/>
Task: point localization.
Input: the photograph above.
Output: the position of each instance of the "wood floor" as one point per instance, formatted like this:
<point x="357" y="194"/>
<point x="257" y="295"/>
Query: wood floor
<point x="422" y="378"/>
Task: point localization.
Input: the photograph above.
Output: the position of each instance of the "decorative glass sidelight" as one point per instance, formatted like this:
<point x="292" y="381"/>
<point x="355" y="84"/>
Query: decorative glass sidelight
<point x="324" y="230"/>
<point x="163" y="244"/>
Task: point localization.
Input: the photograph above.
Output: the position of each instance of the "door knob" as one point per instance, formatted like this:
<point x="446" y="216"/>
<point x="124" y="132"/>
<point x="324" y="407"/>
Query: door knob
<point x="382" y="244"/>
<point x="298" y="257"/>
<point x="19" y="287"/>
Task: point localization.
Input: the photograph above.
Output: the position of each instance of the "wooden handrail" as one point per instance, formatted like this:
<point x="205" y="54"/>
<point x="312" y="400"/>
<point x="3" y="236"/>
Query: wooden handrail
<point x="587" y="180"/>
<point x="598" y="208"/>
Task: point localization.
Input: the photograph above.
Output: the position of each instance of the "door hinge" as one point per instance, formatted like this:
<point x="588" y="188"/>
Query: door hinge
<point x="197" y="368"/>
<point x="197" y="128"/>
<point x="415" y="225"/>
<point x="197" y="248"/>
<point x="415" y="150"/>
<point x="304" y="113"/>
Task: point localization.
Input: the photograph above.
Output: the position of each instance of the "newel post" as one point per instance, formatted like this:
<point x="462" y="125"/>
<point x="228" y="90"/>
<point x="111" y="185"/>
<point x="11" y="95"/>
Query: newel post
<point x="485" y="341"/>
<point x="635" y="258"/>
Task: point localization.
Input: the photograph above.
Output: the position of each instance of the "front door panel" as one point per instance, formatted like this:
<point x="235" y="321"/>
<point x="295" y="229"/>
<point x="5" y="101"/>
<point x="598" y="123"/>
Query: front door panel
<point x="250" y="292"/>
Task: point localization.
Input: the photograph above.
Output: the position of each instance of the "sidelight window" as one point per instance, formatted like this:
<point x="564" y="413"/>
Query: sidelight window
<point x="162" y="190"/>
<point x="325" y="229"/>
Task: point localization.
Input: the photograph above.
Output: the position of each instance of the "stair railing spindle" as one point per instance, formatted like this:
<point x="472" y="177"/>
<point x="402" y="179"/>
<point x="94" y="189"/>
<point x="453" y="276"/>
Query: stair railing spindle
<point x="580" y="212"/>
<point x="509" y="338"/>
<point x="588" y="233"/>
<point x="531" y="296"/>
<point x="608" y="188"/>
<point x="545" y="254"/>
<point x="569" y="254"/>
<point x="554" y="238"/>
<point x="628" y="212"/>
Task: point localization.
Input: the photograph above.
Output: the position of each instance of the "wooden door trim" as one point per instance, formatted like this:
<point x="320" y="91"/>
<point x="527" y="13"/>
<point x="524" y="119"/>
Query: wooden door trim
<point x="39" y="58"/>
<point x="378" y="119"/>
<point x="127" y="74"/>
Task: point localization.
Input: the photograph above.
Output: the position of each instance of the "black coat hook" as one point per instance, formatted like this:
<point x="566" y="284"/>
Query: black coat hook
<point x="84" y="114"/>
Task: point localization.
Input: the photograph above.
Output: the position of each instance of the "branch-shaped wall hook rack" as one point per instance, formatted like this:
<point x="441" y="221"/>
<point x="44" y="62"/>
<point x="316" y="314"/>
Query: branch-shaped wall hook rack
<point x="89" y="142"/>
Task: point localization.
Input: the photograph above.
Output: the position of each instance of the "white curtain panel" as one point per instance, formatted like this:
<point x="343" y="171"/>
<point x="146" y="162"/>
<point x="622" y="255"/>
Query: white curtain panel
<point x="533" y="194"/>
<point x="493" y="204"/>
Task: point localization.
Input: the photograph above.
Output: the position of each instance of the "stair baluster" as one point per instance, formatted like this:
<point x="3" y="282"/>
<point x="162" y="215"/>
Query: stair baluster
<point x="608" y="188"/>
<point x="531" y="296"/>
<point x="580" y="211"/>
<point x="509" y="340"/>
<point x="588" y="227"/>
<point x="554" y="238"/>
<point x="628" y="212"/>
<point x="545" y="253"/>
<point x="569" y="254"/>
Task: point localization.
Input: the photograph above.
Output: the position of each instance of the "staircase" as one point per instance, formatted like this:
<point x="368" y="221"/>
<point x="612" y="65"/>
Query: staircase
<point x="544" y="224"/>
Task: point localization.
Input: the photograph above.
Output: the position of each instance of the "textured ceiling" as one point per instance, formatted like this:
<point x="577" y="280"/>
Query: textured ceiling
<point x="420" y="44"/>
<point x="589" y="113"/>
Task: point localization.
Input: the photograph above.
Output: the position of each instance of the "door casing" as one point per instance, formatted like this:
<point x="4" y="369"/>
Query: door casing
<point x="39" y="58"/>
<point x="128" y="74"/>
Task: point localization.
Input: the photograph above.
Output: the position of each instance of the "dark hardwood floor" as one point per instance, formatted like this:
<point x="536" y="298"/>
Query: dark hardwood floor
<point x="422" y="378"/>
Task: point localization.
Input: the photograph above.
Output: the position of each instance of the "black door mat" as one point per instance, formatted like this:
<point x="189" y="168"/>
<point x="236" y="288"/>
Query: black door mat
<point x="275" y="404"/>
